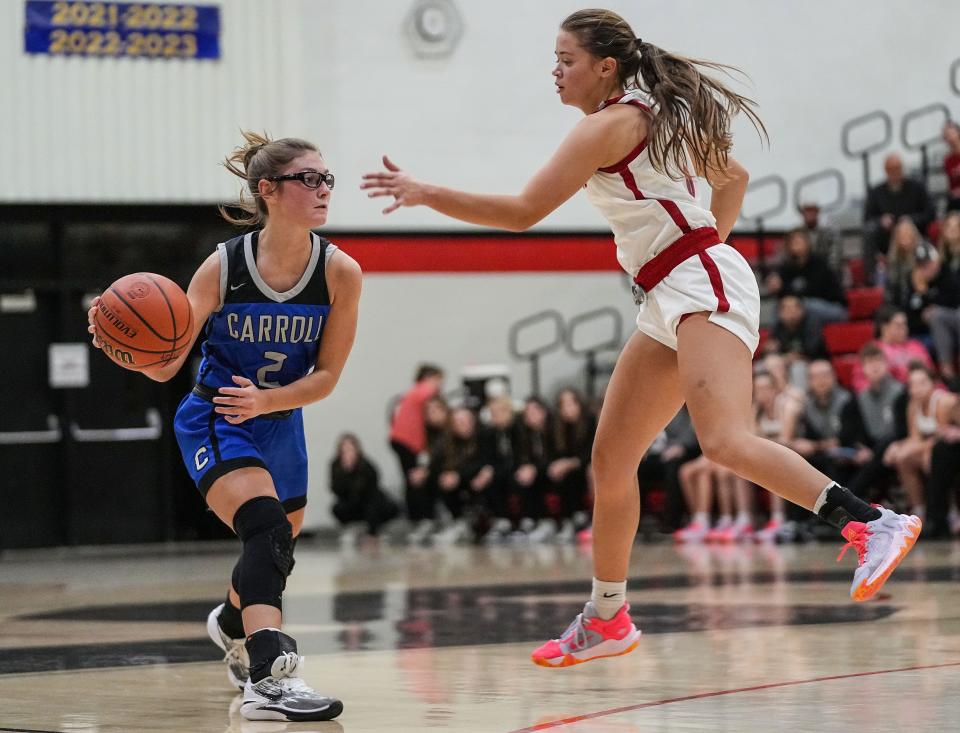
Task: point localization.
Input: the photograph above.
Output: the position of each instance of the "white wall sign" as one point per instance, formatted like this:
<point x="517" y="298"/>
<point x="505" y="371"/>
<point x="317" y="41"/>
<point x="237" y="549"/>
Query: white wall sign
<point x="69" y="365"/>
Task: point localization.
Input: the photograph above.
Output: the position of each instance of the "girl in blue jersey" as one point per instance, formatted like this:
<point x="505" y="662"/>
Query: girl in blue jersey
<point x="278" y="307"/>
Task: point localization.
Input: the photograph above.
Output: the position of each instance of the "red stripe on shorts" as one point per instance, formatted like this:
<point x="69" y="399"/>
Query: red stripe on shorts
<point x="713" y="272"/>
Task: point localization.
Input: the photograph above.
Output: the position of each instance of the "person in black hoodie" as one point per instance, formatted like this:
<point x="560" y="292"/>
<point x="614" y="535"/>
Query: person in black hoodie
<point x="944" y="315"/>
<point x="500" y="443"/>
<point x="463" y="475"/>
<point x="808" y="276"/>
<point x="534" y="449"/>
<point x="355" y="483"/>
<point x="573" y="434"/>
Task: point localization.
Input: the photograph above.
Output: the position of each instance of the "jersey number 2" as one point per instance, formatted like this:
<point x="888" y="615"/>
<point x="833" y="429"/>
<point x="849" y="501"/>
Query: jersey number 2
<point x="277" y="360"/>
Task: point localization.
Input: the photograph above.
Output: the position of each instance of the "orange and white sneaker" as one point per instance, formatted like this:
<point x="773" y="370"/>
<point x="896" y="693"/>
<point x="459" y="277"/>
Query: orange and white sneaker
<point x="590" y="637"/>
<point x="880" y="544"/>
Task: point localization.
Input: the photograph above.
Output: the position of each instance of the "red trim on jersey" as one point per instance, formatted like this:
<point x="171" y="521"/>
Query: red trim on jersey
<point x="669" y="206"/>
<point x="631" y="156"/>
<point x="679" y="251"/>
<point x="713" y="272"/>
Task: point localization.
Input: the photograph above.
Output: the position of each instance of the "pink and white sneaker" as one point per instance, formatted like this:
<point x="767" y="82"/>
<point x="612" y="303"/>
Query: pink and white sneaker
<point x="768" y="532"/>
<point x="880" y="544"/>
<point x="590" y="637"/>
<point x="693" y="532"/>
<point x="733" y="533"/>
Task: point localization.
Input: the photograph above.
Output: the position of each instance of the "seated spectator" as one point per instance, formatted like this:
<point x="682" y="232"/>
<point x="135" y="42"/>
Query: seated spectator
<point x="421" y="487"/>
<point x="928" y="411"/>
<point x="701" y="479"/>
<point x="826" y="242"/>
<point x="534" y="448"/>
<point x="883" y="409"/>
<point x="944" y="315"/>
<point x="408" y="438"/>
<point x="796" y="334"/>
<point x="943" y="518"/>
<point x="674" y="447"/>
<point x="828" y="432"/>
<point x="951" y="164"/>
<point x="775" y="402"/>
<point x="355" y="483"/>
<point x="912" y="267"/>
<point x="808" y="276"/>
<point x="886" y="203"/>
<point x="893" y="340"/>
<point x="463" y="474"/>
<point x="503" y="497"/>
<point x="573" y="432"/>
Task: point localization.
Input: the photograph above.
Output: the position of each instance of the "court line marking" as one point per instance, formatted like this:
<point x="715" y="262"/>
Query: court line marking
<point x="718" y="693"/>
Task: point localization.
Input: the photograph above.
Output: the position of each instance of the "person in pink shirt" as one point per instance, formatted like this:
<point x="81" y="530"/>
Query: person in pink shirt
<point x="408" y="438"/>
<point x="894" y="340"/>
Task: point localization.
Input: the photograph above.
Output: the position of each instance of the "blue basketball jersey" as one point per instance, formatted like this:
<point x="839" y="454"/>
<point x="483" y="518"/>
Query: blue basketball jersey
<point x="268" y="337"/>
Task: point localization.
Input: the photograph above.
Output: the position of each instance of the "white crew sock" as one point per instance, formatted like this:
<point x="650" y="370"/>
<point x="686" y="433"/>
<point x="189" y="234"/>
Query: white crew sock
<point x="608" y="597"/>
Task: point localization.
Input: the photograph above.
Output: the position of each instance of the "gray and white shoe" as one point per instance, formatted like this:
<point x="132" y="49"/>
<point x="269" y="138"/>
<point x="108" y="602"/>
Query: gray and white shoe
<point x="235" y="653"/>
<point x="881" y="545"/>
<point x="283" y="695"/>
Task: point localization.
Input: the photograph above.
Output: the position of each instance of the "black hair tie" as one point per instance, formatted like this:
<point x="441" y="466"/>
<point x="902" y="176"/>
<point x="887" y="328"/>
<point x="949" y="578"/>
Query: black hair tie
<point x="639" y="42"/>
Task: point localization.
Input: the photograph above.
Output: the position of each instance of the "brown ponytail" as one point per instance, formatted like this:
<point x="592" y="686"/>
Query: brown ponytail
<point x="693" y="111"/>
<point x="259" y="158"/>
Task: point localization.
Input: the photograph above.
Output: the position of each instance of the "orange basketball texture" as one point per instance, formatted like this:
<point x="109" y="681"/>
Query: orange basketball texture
<point x="143" y="320"/>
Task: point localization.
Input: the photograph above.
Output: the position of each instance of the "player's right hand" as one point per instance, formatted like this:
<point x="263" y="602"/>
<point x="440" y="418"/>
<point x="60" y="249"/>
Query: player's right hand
<point x="92" y="328"/>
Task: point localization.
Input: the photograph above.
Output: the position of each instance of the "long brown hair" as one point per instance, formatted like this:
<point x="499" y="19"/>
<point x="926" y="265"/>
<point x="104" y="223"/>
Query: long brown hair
<point x="693" y="111"/>
<point x="259" y="158"/>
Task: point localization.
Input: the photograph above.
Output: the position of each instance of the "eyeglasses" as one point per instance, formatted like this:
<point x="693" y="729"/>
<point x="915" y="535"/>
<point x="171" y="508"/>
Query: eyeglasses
<point x="310" y="179"/>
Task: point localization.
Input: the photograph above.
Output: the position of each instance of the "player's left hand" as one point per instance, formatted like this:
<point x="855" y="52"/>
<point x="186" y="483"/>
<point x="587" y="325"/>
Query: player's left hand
<point x="405" y="189"/>
<point x="242" y="402"/>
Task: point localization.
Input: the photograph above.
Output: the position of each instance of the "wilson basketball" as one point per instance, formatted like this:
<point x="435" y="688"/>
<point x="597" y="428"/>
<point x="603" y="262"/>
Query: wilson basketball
<point x="144" y="320"/>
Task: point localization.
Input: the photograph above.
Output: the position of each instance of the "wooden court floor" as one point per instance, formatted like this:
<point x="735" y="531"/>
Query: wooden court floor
<point x="735" y="639"/>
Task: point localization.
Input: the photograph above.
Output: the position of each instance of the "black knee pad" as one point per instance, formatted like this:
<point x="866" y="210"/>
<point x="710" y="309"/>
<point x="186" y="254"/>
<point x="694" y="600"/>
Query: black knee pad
<point x="267" y="557"/>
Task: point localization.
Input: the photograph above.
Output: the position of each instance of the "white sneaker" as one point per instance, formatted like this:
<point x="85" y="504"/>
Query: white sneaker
<point x="283" y="695"/>
<point x="421" y="532"/>
<point x="880" y="544"/>
<point x="567" y="532"/>
<point x="349" y="535"/>
<point x="238" y="663"/>
<point x="499" y="531"/>
<point x="545" y="531"/>
<point x="456" y="533"/>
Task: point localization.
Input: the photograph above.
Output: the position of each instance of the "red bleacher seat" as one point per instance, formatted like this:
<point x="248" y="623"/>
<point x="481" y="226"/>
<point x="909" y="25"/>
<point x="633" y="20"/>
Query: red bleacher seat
<point x="764" y="335"/>
<point x="863" y="302"/>
<point x="843" y="366"/>
<point x="847" y="338"/>
<point x="749" y="247"/>
<point x="857" y="273"/>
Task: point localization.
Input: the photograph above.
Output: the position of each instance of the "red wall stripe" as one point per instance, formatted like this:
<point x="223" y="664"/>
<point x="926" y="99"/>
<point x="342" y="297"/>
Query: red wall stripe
<point x="451" y="253"/>
<point x="493" y="253"/>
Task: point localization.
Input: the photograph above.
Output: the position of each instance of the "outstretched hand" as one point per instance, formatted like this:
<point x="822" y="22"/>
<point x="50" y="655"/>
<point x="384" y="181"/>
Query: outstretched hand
<point x="406" y="190"/>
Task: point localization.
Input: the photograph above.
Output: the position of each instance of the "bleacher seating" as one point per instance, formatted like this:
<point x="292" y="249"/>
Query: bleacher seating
<point x="862" y="303"/>
<point x="847" y="338"/>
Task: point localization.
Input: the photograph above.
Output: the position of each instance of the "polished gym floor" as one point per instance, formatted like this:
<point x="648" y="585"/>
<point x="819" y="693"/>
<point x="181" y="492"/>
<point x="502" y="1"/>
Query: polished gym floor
<point x="736" y="638"/>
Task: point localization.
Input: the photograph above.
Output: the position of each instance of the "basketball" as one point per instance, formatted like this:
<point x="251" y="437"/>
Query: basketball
<point x="144" y="320"/>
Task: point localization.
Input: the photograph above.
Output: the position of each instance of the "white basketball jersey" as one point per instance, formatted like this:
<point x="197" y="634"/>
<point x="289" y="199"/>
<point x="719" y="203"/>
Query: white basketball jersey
<point x="646" y="210"/>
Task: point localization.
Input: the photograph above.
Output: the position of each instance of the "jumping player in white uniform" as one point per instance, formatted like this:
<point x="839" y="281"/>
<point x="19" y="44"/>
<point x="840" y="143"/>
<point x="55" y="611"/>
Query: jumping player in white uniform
<point x="652" y="122"/>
